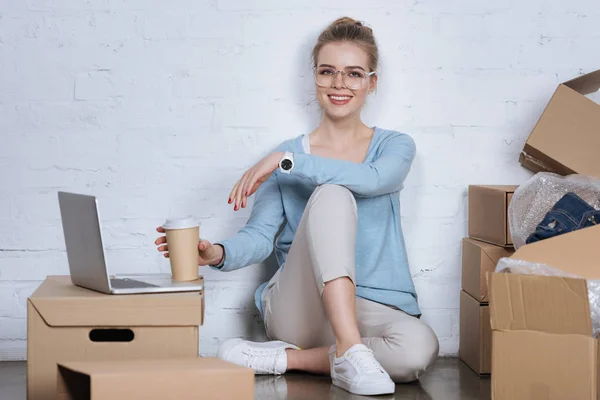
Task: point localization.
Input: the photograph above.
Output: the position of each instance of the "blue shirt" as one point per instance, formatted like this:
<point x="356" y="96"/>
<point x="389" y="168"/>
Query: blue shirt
<point x="382" y="271"/>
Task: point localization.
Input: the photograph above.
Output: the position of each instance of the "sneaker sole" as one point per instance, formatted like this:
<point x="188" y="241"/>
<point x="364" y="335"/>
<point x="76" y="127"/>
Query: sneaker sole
<point x="368" y="389"/>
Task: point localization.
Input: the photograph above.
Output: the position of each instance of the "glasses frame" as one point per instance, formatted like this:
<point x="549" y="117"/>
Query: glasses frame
<point x="344" y="74"/>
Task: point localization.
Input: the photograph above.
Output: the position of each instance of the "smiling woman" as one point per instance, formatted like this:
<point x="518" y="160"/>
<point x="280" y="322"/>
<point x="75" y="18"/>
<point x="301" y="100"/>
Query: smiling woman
<point x="348" y="49"/>
<point x="343" y="292"/>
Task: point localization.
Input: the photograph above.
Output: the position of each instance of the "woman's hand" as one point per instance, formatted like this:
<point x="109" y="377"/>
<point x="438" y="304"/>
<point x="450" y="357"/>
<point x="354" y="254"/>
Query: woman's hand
<point x="253" y="178"/>
<point x="208" y="254"/>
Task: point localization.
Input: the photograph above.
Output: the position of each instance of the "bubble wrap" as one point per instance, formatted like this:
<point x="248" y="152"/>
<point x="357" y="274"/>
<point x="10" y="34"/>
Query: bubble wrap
<point x="528" y="268"/>
<point x="533" y="199"/>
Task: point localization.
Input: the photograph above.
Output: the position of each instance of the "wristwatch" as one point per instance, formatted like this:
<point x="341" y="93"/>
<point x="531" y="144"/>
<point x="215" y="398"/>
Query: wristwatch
<point x="286" y="164"/>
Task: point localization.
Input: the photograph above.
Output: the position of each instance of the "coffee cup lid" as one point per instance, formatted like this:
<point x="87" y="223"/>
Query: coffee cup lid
<point x="181" y="223"/>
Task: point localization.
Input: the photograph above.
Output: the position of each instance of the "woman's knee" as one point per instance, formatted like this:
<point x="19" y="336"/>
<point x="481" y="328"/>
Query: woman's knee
<point x="336" y="196"/>
<point x="413" y="352"/>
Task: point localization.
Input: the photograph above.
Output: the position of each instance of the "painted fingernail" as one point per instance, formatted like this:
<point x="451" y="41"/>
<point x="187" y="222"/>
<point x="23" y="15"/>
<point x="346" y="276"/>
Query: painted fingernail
<point x="229" y="201"/>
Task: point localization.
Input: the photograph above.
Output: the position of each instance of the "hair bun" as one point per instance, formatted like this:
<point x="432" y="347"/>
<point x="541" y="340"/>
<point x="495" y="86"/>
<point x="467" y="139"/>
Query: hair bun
<point x="346" y="20"/>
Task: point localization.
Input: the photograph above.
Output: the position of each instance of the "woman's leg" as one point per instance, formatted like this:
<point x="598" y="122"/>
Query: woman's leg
<point x="404" y="345"/>
<point x="316" y="283"/>
<point x="315" y="361"/>
<point x="313" y="303"/>
<point x="339" y="299"/>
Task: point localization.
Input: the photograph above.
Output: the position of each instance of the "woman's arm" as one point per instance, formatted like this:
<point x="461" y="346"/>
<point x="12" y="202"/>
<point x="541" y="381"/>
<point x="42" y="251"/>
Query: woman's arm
<point x="386" y="174"/>
<point x="254" y="242"/>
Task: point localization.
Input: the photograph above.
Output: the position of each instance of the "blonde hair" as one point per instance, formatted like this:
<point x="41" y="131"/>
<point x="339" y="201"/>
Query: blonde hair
<point x="349" y="30"/>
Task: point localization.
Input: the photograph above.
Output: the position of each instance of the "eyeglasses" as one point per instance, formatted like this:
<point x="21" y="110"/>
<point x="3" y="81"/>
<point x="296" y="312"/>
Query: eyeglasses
<point x="353" y="79"/>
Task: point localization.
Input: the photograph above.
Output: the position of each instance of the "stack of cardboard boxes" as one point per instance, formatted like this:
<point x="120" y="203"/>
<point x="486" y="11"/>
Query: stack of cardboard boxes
<point x="488" y="241"/>
<point x="83" y="344"/>
<point x="543" y="346"/>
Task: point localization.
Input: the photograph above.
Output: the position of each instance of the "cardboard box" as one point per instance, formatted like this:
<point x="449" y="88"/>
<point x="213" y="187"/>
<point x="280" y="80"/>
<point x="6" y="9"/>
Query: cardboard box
<point x="542" y="341"/>
<point x="475" y="347"/>
<point x="567" y="135"/>
<point x="479" y="258"/>
<point x="488" y="206"/>
<point x="181" y="379"/>
<point x="70" y="323"/>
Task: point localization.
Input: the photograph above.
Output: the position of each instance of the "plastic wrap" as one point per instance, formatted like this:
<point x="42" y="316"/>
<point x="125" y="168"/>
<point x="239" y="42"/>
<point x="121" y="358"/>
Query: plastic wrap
<point x="533" y="199"/>
<point x="528" y="268"/>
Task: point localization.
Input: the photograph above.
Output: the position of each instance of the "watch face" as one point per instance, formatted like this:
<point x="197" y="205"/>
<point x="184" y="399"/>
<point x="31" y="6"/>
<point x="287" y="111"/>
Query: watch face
<point x="286" y="164"/>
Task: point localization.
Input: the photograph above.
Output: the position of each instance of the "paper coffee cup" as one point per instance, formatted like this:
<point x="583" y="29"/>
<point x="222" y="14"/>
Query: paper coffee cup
<point x="183" y="235"/>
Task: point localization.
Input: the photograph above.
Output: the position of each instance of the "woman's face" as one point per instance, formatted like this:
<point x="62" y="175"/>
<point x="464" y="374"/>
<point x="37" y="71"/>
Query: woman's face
<point x="343" y="95"/>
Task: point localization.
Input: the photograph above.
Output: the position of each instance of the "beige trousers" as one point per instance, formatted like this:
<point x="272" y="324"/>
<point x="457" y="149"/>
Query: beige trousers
<point x="324" y="249"/>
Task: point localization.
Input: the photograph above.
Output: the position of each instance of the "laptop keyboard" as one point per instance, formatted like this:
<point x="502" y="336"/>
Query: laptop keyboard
<point x="129" y="284"/>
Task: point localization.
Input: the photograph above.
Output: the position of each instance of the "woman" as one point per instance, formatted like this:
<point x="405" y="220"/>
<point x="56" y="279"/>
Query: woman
<point x="343" y="292"/>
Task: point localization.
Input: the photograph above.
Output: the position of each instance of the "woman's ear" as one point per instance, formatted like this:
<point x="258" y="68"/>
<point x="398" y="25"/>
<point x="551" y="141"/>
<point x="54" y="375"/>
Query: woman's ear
<point x="373" y="83"/>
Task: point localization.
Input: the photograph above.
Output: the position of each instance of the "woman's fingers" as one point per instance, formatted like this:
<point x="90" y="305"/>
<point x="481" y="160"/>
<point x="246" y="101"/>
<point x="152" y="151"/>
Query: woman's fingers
<point x="234" y="195"/>
<point x="254" y="188"/>
<point x="161" y="240"/>
<point x="239" y="194"/>
<point x="233" y="192"/>
<point x="252" y="184"/>
<point x="166" y="255"/>
<point x="247" y="185"/>
<point x="203" y="244"/>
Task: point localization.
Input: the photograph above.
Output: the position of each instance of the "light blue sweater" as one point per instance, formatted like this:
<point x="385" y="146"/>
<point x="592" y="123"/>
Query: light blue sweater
<point x="382" y="272"/>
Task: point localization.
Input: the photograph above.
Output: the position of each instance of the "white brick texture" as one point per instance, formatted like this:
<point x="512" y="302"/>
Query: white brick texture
<point x="158" y="107"/>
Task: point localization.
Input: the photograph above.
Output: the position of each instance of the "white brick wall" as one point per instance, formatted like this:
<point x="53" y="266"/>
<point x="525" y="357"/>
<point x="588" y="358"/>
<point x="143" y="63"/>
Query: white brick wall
<point x="157" y="107"/>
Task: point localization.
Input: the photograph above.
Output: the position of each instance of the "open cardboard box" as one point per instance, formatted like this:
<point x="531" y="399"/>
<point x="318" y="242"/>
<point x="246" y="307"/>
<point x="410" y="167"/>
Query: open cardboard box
<point x="542" y="341"/>
<point x="181" y="379"/>
<point x="67" y="323"/>
<point x="566" y="138"/>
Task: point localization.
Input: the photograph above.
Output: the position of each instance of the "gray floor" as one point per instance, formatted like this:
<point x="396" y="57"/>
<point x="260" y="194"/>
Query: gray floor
<point x="449" y="379"/>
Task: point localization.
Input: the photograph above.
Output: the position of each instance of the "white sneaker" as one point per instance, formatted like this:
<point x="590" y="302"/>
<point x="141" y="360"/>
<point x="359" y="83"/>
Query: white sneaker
<point x="268" y="358"/>
<point x="358" y="372"/>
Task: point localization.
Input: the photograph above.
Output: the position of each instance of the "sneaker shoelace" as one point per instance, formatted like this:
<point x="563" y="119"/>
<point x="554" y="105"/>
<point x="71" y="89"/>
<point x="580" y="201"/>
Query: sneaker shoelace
<point x="262" y="360"/>
<point x="365" y="360"/>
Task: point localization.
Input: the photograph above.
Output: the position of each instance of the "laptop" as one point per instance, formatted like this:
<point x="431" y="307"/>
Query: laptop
<point x="86" y="256"/>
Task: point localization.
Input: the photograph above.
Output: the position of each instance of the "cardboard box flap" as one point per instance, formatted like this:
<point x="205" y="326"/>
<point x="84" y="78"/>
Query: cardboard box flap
<point x="499" y="188"/>
<point x="539" y="303"/>
<point x="136" y="367"/>
<point x="572" y="252"/>
<point x="60" y="303"/>
<point x="585" y="84"/>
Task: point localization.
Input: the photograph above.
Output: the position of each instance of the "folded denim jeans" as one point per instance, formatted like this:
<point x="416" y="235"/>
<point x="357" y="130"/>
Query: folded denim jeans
<point x="570" y="213"/>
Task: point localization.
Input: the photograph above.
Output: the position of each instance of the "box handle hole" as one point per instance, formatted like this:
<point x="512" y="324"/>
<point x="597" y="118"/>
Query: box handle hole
<point x="111" y="335"/>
